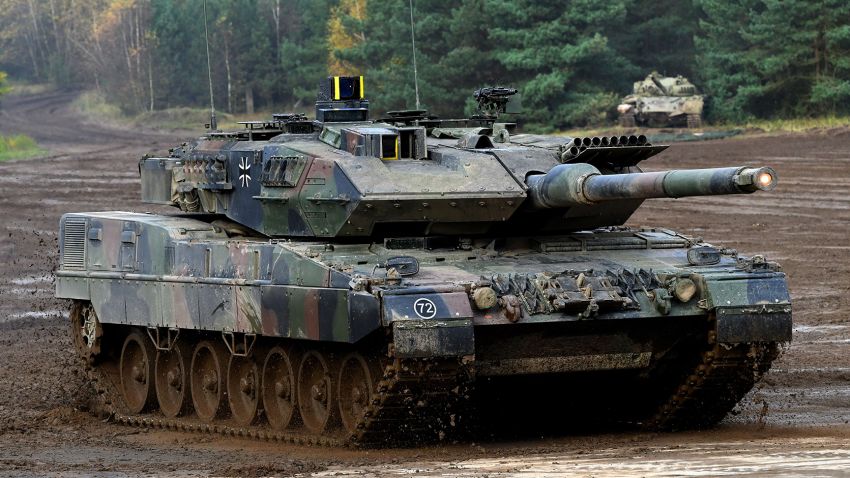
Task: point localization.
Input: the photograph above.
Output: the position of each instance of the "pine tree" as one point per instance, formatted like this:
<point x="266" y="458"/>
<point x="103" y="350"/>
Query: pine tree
<point x="385" y="55"/>
<point x="303" y="49"/>
<point x="658" y="35"/>
<point x="804" y="50"/>
<point x="724" y="70"/>
<point x="181" y="52"/>
<point x="772" y="58"/>
<point x="568" y="72"/>
<point x="458" y="56"/>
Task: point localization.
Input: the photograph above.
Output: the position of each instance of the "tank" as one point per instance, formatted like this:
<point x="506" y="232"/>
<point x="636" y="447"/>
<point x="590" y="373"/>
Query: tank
<point x="387" y="282"/>
<point x="661" y="101"/>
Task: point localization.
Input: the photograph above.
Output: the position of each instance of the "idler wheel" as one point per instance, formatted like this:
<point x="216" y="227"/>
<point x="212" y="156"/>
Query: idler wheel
<point x="207" y="379"/>
<point x="315" y="392"/>
<point x="172" y="381"/>
<point x="137" y="372"/>
<point x="243" y="389"/>
<point x="278" y="389"/>
<point x="355" y="391"/>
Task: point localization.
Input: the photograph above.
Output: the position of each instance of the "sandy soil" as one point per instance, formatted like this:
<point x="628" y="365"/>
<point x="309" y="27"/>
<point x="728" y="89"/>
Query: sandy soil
<point x="795" y="423"/>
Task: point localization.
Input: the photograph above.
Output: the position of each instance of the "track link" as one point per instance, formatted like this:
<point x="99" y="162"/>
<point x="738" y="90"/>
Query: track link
<point x="724" y="375"/>
<point x="416" y="399"/>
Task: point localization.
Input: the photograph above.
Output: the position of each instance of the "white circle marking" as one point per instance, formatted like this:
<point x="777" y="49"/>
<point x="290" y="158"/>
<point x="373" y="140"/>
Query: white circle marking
<point x="425" y="308"/>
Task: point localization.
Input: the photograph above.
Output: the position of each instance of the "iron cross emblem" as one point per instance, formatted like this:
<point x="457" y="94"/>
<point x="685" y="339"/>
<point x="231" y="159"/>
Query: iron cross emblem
<point x="244" y="171"/>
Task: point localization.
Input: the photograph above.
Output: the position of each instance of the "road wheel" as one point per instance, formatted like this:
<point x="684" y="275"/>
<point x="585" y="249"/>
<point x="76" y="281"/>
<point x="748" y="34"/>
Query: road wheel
<point x="628" y="120"/>
<point x="355" y="391"/>
<point x="137" y="372"/>
<point x="207" y="379"/>
<point x="316" y="400"/>
<point x="172" y="381"/>
<point x="243" y="389"/>
<point x="278" y="388"/>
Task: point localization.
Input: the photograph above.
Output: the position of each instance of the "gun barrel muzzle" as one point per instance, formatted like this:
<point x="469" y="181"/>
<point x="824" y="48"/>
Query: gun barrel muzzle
<point x="568" y="185"/>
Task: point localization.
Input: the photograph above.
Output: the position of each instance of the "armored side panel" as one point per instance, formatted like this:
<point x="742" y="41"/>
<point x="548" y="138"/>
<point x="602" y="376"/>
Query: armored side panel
<point x="156" y="271"/>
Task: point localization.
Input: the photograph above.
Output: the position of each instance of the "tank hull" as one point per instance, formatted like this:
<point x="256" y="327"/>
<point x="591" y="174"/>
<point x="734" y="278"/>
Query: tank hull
<point x="660" y="101"/>
<point x="662" y="111"/>
<point x="304" y="341"/>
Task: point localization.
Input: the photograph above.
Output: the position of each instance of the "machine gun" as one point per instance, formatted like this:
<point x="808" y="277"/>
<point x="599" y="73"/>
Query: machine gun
<point x="494" y="100"/>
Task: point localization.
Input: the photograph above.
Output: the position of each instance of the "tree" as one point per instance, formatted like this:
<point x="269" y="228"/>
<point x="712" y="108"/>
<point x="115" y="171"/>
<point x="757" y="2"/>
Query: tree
<point x="454" y="55"/>
<point x="47" y="40"/>
<point x="658" y="35"/>
<point x="303" y="50"/>
<point x="121" y="57"/>
<point x="771" y="58"/>
<point x="568" y="72"/>
<point x="385" y="57"/>
<point x="806" y="69"/>
<point x="720" y="44"/>
<point x="345" y="29"/>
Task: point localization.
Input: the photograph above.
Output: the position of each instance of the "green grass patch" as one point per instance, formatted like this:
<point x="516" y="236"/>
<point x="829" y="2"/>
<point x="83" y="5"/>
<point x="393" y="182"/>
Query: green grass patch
<point x="796" y="125"/>
<point x="17" y="88"/>
<point x="182" y="118"/>
<point x="94" y="106"/>
<point x="19" y="146"/>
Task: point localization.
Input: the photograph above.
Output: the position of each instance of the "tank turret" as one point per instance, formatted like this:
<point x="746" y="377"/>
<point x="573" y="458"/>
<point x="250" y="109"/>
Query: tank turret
<point x="346" y="176"/>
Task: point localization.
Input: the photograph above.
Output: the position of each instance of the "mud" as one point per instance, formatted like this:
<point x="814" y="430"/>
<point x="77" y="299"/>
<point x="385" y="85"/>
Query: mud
<point x="794" y="423"/>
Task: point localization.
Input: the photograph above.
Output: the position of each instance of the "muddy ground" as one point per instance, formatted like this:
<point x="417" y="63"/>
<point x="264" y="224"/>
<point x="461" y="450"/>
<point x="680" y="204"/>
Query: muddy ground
<point x="795" y="422"/>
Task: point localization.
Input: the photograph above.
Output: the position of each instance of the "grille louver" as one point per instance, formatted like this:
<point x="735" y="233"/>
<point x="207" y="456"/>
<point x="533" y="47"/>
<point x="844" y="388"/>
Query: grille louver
<point x="74" y="244"/>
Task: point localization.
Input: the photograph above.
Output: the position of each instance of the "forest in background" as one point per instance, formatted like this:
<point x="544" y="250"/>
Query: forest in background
<point x="572" y="61"/>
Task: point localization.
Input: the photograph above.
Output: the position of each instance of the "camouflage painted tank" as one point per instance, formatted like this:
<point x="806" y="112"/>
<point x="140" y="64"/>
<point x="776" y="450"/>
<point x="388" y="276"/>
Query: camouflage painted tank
<point x="342" y="280"/>
<point x="662" y="101"/>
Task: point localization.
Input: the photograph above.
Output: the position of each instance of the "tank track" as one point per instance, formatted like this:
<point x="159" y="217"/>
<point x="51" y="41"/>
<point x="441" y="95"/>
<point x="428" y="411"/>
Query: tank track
<point x="694" y="121"/>
<point x="724" y="374"/>
<point x="419" y="401"/>
<point x="415" y="401"/>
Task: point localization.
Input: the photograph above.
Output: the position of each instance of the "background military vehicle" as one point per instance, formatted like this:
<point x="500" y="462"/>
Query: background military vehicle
<point x="662" y="101"/>
<point x="342" y="280"/>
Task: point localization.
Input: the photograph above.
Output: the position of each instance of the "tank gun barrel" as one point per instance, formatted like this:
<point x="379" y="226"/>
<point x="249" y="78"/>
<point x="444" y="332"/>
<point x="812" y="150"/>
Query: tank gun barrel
<point x="574" y="184"/>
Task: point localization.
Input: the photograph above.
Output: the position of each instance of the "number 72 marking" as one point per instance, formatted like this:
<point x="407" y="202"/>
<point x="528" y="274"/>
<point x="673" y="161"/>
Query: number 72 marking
<point x="425" y="308"/>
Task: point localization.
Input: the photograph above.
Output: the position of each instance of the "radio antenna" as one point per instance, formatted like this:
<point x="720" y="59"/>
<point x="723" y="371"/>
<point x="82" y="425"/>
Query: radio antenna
<point x="413" y="45"/>
<point x="213" y="122"/>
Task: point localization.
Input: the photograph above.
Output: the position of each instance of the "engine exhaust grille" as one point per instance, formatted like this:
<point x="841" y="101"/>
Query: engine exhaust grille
<point x="74" y="244"/>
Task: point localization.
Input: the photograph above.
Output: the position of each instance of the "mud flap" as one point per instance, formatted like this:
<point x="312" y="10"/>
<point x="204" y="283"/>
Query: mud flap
<point x="430" y="324"/>
<point x="739" y="325"/>
<point x="72" y="287"/>
<point x="433" y="338"/>
<point x="757" y="309"/>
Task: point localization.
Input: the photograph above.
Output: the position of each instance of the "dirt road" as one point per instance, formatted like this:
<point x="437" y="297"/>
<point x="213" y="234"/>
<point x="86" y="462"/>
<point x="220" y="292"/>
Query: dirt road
<point x="795" y="423"/>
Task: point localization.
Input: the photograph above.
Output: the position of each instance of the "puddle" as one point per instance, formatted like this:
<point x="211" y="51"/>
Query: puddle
<point x="819" y="328"/>
<point x="32" y="280"/>
<point x="38" y="314"/>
